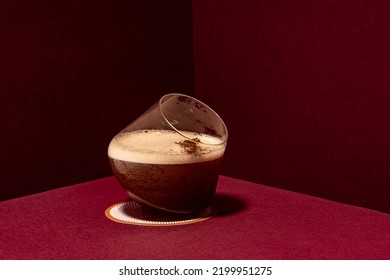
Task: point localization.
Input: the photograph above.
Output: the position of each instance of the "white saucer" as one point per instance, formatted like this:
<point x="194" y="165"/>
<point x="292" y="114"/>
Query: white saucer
<point x="131" y="212"/>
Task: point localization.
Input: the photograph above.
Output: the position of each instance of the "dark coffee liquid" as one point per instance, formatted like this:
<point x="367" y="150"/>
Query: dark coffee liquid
<point x="180" y="188"/>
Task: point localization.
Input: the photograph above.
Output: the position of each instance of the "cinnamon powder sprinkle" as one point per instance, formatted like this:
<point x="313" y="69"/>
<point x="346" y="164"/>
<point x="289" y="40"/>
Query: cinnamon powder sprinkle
<point x="191" y="147"/>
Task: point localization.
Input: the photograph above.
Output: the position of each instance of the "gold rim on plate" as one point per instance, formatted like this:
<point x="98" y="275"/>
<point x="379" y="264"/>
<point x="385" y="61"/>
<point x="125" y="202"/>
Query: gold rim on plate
<point x="131" y="212"/>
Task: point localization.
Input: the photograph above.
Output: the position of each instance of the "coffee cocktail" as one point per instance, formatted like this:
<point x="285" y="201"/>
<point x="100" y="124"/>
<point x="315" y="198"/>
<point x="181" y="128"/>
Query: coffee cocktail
<point x="168" y="169"/>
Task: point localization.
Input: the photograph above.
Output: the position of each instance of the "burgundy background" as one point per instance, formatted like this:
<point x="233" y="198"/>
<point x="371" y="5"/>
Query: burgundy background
<point x="73" y="73"/>
<point x="304" y="89"/>
<point x="302" y="86"/>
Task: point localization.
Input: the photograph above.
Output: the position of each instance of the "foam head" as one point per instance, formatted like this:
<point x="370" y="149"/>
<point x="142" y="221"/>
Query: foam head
<point x="165" y="147"/>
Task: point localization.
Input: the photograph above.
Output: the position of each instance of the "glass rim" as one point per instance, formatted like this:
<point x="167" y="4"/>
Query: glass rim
<point x="223" y="140"/>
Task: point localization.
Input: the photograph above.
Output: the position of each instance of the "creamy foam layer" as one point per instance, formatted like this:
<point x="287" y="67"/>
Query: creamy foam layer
<point x="164" y="147"/>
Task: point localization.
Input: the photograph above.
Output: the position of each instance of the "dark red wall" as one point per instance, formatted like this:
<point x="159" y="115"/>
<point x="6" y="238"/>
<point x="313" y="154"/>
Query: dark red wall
<point x="73" y="73"/>
<point x="302" y="85"/>
<point x="304" y="89"/>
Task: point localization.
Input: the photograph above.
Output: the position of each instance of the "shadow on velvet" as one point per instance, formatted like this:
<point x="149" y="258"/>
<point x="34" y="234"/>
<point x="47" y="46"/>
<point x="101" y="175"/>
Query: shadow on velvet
<point x="227" y="205"/>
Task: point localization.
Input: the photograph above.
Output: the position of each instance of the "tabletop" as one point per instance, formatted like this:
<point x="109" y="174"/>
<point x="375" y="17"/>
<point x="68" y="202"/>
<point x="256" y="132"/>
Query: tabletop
<point x="253" y="221"/>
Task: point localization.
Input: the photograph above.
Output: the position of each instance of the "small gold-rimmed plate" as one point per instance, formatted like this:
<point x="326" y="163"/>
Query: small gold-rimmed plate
<point x="131" y="212"/>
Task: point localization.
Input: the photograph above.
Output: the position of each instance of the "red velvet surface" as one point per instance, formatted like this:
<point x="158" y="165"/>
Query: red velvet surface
<point x="303" y="87"/>
<point x="253" y="222"/>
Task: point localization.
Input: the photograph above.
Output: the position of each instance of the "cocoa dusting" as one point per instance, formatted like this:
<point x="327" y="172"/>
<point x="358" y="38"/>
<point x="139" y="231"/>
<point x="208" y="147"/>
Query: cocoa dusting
<point x="191" y="147"/>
